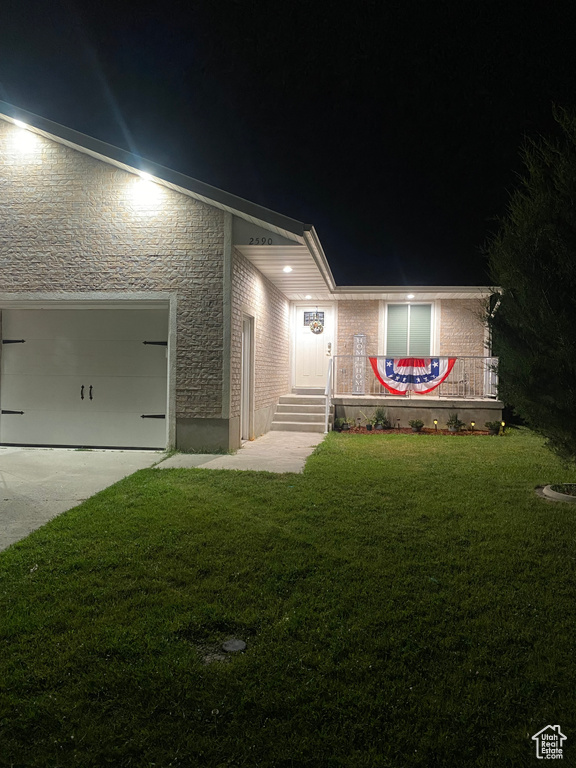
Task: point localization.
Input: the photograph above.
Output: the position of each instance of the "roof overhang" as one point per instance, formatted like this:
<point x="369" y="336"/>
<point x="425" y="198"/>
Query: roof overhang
<point x="412" y="292"/>
<point x="135" y="164"/>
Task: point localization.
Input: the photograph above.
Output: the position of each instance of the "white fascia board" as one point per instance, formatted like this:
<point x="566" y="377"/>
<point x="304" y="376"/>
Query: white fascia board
<point x="442" y="291"/>
<point x="315" y="247"/>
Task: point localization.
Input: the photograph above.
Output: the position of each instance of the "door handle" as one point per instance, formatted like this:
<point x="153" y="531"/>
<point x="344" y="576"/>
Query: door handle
<point x="329" y="350"/>
<point x="90" y="392"/>
<point x="82" y="392"/>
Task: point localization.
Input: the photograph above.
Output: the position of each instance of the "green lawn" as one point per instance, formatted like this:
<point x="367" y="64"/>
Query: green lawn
<point x="407" y="601"/>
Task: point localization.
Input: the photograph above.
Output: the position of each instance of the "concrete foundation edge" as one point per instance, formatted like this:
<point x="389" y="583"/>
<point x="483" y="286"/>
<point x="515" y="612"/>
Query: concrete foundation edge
<point x="206" y="435"/>
<point x="263" y="418"/>
<point x="479" y="411"/>
<point x="203" y="435"/>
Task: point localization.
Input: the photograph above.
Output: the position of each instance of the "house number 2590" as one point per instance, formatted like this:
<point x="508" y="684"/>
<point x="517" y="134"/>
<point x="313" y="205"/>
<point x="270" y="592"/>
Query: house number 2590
<point x="260" y="241"/>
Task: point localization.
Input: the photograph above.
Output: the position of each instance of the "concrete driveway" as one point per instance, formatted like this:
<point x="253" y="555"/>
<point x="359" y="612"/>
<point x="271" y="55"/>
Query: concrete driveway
<point x="36" y="484"/>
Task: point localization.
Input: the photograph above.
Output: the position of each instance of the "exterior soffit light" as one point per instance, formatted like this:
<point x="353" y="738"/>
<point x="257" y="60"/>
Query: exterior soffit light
<point x="410" y="296"/>
<point x="308" y="296"/>
<point x="287" y="269"/>
<point x="20" y="124"/>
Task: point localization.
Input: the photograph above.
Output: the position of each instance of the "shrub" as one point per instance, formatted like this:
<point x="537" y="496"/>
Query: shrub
<point x="381" y="417"/>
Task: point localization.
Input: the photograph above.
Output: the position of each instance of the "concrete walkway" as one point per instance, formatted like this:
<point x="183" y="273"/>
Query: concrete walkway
<point x="36" y="484"/>
<point x="273" y="452"/>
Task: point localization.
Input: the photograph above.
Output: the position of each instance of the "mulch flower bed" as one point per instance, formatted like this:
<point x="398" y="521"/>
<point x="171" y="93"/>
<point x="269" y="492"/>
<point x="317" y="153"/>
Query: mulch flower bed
<point x="409" y="431"/>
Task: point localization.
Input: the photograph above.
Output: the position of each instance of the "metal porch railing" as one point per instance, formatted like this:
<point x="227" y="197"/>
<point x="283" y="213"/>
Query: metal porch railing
<point x="470" y="378"/>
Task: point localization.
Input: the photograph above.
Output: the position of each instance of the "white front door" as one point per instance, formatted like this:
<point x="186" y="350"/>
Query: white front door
<point x="84" y="377"/>
<point x="312" y="350"/>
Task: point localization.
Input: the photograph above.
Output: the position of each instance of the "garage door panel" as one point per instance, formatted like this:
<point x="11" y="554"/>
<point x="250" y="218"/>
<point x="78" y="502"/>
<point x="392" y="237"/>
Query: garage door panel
<point x="64" y="393"/>
<point x="54" y="393"/>
<point x="49" y="428"/>
<point x="83" y="357"/>
<point x="136" y="395"/>
<point x="85" y="324"/>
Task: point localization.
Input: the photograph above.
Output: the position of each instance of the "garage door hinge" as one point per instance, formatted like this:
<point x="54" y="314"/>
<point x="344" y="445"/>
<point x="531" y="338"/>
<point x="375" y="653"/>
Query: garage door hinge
<point x="13" y="341"/>
<point x="157" y="343"/>
<point x="153" y="416"/>
<point x="20" y="413"/>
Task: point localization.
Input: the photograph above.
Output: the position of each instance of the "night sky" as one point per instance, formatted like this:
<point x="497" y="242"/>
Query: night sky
<point x="392" y="127"/>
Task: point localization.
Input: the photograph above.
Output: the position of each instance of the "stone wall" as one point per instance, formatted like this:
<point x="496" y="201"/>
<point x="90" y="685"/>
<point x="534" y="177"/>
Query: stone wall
<point x="461" y="327"/>
<point x="256" y="296"/>
<point x="357" y="317"/>
<point x="69" y="222"/>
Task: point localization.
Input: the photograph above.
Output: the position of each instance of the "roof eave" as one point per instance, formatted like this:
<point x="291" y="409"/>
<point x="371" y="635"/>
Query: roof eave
<point x="135" y="164"/>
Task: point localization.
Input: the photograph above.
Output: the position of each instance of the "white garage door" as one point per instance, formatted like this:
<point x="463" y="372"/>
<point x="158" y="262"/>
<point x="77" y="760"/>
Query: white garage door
<point x="94" y="377"/>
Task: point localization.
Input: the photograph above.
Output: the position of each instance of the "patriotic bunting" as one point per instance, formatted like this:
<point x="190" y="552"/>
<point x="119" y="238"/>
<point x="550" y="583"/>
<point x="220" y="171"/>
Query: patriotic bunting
<point x="421" y="375"/>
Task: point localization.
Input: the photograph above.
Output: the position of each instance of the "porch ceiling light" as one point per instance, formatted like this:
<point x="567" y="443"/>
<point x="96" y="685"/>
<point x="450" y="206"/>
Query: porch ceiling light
<point x="287" y="269"/>
<point x="144" y="175"/>
<point x="410" y="296"/>
<point x="20" y="124"/>
<point x="308" y="296"/>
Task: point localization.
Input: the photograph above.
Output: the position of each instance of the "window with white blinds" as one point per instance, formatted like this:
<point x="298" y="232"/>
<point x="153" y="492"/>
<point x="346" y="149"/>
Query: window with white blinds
<point x="409" y="329"/>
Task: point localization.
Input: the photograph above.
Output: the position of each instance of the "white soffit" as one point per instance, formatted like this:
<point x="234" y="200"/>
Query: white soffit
<point x="271" y="254"/>
<point x="305" y="277"/>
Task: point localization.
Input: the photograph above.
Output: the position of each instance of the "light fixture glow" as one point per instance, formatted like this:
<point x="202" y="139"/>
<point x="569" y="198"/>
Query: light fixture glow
<point x="145" y="194"/>
<point x="410" y="296"/>
<point x="287" y="269"/>
<point x="144" y="175"/>
<point x="20" y="124"/>
<point x="308" y="296"/>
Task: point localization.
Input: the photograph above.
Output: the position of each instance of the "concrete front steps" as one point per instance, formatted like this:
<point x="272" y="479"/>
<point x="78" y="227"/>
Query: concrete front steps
<point x="300" y="413"/>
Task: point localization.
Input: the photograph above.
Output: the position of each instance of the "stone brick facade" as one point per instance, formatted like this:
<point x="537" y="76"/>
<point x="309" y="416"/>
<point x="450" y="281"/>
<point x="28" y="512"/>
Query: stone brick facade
<point x="462" y="328"/>
<point x="357" y="317"/>
<point x="256" y="296"/>
<point x="69" y="222"/>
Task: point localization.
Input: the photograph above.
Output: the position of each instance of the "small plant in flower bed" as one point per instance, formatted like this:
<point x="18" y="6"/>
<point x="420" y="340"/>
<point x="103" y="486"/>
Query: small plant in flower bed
<point x="416" y="424"/>
<point x="493" y="427"/>
<point x="454" y="424"/>
<point x="381" y="419"/>
<point x="370" y="421"/>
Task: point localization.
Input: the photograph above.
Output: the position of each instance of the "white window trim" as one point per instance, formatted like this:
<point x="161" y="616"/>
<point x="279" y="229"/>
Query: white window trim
<point x="434" y="324"/>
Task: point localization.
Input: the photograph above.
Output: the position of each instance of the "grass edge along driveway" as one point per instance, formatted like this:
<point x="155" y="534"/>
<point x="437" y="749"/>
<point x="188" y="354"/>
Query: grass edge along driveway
<point x="407" y="601"/>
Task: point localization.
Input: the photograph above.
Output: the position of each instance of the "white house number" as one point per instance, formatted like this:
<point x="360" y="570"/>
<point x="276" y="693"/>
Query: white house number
<point x="260" y="241"/>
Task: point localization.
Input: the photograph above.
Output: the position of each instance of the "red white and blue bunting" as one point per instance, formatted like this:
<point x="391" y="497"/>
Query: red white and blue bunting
<point x="421" y="375"/>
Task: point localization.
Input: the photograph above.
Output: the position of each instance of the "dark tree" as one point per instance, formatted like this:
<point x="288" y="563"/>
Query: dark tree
<point x="533" y="259"/>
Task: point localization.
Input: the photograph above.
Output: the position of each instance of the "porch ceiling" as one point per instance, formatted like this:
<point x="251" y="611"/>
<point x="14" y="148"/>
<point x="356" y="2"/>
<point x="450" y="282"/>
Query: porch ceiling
<point x="306" y="279"/>
<point x="307" y="283"/>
